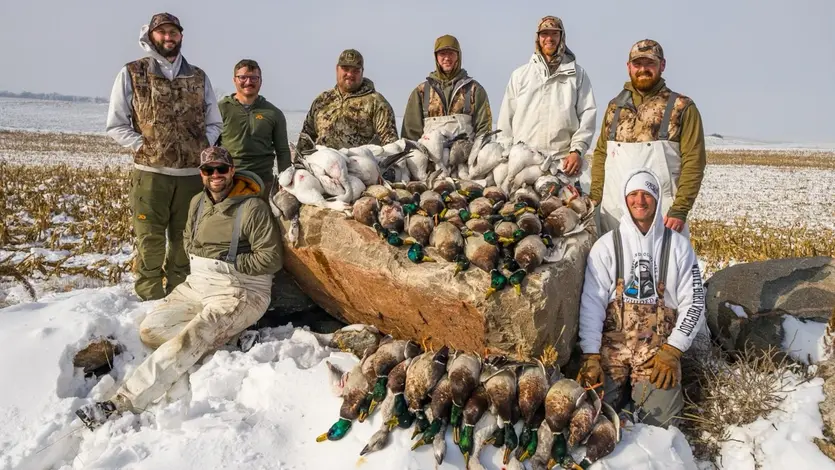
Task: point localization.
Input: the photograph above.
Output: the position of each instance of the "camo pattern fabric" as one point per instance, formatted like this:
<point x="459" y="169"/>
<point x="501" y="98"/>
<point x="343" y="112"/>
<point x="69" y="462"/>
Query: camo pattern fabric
<point x="436" y="99"/>
<point x="632" y="334"/>
<point x="170" y="115"/>
<point x="350" y="120"/>
<point x="642" y="123"/>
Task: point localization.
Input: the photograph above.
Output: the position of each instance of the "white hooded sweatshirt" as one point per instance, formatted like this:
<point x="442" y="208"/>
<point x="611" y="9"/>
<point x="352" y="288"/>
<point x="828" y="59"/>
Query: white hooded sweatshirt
<point x="684" y="291"/>
<point x="119" y="124"/>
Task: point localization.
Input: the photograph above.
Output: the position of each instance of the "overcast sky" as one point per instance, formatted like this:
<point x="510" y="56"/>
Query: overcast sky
<point x="761" y="69"/>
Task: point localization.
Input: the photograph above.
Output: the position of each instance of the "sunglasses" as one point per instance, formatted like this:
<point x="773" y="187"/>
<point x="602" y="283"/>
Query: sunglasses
<point x="251" y="78"/>
<point x="210" y="170"/>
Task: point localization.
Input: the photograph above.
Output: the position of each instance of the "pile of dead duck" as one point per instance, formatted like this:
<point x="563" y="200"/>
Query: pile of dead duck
<point x="506" y="230"/>
<point x="430" y="391"/>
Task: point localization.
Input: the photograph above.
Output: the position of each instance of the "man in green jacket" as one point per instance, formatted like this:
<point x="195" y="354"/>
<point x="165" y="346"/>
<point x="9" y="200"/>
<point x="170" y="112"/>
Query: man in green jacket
<point x="449" y="98"/>
<point x="649" y="126"/>
<point x="234" y="249"/>
<point x="351" y="114"/>
<point x="254" y="131"/>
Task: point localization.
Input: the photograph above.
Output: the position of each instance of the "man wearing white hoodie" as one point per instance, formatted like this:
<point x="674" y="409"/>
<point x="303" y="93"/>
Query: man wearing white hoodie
<point x="642" y="304"/>
<point x="164" y="109"/>
<point x="548" y="103"/>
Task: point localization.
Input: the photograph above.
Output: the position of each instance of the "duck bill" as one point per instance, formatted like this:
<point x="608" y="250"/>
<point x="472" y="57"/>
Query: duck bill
<point x="551" y="463"/>
<point x="419" y="443"/>
<point x="467" y="460"/>
<point x="518" y="289"/>
<point x="489" y="292"/>
<point x="427" y="259"/>
<point x="322" y="437"/>
<point x="506" y="458"/>
<point x="392" y="422"/>
<point x="363" y="415"/>
<point x="456" y="435"/>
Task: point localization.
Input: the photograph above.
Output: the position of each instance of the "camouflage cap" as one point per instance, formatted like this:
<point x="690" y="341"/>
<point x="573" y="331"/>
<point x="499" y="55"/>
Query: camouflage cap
<point x="646" y="48"/>
<point x="164" y="18"/>
<point x="350" y="58"/>
<point x="217" y="155"/>
<point x="549" y="23"/>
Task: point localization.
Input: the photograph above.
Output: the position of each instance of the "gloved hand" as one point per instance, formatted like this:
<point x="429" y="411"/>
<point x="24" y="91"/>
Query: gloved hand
<point x="666" y="367"/>
<point x="591" y="373"/>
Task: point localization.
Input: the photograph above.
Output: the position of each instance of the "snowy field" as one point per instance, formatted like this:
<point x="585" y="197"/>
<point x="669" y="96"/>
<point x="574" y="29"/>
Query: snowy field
<point x="264" y="408"/>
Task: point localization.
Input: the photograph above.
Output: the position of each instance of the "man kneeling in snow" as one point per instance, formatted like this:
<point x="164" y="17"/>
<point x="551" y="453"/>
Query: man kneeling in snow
<point x="642" y="305"/>
<point x="234" y="249"/>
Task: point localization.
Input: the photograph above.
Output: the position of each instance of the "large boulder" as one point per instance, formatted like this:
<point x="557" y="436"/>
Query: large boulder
<point x="747" y="302"/>
<point x="358" y="278"/>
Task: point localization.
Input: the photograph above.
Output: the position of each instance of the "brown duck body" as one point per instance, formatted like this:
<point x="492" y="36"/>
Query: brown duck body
<point x="480" y="253"/>
<point x="532" y="387"/>
<point x="391" y="216"/>
<point x="416" y="187"/>
<point x="420" y="228"/>
<point x="365" y="210"/>
<point x="389" y="353"/>
<point x="356" y="339"/>
<point x="495" y="194"/>
<point x="381" y="193"/>
<point x="430" y="201"/>
<point x="560" y="403"/>
<point x="505" y="229"/>
<point x="464" y="371"/>
<point x="476" y="405"/>
<point x="530" y="223"/>
<point x="423" y="374"/>
<point x="549" y="205"/>
<point x="481" y="206"/>
<point x="456" y="201"/>
<point x="479" y="225"/>
<point x="287" y="204"/>
<point x="447" y="239"/>
<point x="561" y="221"/>
<point x="440" y="401"/>
<point x="581" y="422"/>
<point x="501" y="388"/>
<point x="397" y="376"/>
<point x="581" y="205"/>
<point x="354" y="392"/>
<point x="529" y="252"/>
<point x="528" y="196"/>
<point x="602" y="439"/>
<point x="403" y="196"/>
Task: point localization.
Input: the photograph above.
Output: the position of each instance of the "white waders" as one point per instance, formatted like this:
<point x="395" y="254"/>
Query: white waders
<point x="452" y="124"/>
<point x="661" y="156"/>
<point x="215" y="303"/>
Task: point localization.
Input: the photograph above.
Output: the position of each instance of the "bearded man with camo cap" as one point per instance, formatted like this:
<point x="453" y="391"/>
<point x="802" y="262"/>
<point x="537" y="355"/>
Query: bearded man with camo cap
<point x="649" y="126"/>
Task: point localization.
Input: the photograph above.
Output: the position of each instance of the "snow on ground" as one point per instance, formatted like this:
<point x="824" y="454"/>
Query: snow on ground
<point x="773" y="195"/>
<point x="804" y="340"/>
<point x="72" y="159"/>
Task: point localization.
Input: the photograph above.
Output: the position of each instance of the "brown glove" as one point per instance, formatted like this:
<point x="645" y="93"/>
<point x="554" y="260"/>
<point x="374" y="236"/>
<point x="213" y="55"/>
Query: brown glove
<point x="666" y="367"/>
<point x="590" y="372"/>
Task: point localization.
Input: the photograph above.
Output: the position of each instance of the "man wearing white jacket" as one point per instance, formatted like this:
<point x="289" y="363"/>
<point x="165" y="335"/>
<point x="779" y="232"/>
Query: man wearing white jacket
<point x="165" y="111"/>
<point x="643" y="303"/>
<point x="234" y="248"/>
<point x="548" y="103"/>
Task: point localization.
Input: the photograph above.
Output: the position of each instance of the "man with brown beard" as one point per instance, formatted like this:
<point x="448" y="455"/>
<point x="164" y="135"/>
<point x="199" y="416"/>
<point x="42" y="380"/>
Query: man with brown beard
<point x="165" y="111"/>
<point x="649" y="126"/>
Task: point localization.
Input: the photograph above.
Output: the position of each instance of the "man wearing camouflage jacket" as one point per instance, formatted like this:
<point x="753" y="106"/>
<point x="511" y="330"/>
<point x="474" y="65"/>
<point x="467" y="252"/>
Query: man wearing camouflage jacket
<point x="234" y="248"/>
<point x="350" y="114"/>
<point x="165" y="111"/>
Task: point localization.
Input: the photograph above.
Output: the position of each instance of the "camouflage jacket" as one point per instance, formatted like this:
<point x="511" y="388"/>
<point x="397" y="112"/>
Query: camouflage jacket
<point x="339" y="120"/>
<point x="447" y="98"/>
<point x="170" y="114"/>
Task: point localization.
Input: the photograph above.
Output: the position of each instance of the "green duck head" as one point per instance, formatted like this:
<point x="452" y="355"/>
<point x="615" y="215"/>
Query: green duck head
<point x="428" y="434"/>
<point x="466" y="215"/>
<point x="378" y="393"/>
<point x="421" y="423"/>
<point x="461" y="263"/>
<point x="465" y="443"/>
<point x="491" y="237"/>
<point x="498" y="281"/>
<point x="516" y="280"/>
<point x="547" y="240"/>
<point x="496" y="439"/>
<point x="510" y="442"/>
<point x="337" y="431"/>
<point x="559" y="450"/>
<point x="394" y="239"/>
<point x="417" y="255"/>
<point x="471" y="194"/>
<point x="455" y="421"/>
<point x="411" y="208"/>
<point x="382" y="232"/>
<point x="365" y="405"/>
<point x="528" y="440"/>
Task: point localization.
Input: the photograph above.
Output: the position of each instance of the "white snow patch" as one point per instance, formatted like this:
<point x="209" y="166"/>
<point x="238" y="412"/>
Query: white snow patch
<point x="737" y="309"/>
<point x="804" y="340"/>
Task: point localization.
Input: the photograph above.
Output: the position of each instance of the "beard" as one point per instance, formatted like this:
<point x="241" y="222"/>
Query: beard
<point x="167" y="53"/>
<point x="644" y="81"/>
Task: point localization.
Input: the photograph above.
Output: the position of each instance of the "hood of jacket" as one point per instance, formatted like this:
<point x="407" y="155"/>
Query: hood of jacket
<point x="245" y="185"/>
<point x="170" y="69"/>
<point x="562" y="49"/>
<point x="447" y="42"/>
<point x="628" y="227"/>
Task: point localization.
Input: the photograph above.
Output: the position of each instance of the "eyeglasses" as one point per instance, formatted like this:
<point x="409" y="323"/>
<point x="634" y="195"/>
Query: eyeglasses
<point x="210" y="170"/>
<point x="251" y="78"/>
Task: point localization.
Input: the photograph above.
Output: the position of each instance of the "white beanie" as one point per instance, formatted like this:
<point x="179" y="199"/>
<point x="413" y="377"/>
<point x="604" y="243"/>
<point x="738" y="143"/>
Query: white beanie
<point x="644" y="181"/>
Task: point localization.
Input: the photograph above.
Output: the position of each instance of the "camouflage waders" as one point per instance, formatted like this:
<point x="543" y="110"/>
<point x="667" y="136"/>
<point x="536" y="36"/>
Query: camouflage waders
<point x="632" y="335"/>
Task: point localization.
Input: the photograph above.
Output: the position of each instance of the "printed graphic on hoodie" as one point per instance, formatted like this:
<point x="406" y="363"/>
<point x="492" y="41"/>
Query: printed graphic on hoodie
<point x="640" y="288"/>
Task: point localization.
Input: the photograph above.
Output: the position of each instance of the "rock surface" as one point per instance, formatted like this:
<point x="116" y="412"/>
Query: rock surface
<point x="358" y="278"/>
<point x="746" y="302"/>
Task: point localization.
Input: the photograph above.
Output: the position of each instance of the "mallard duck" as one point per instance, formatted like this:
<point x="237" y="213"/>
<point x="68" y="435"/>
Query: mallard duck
<point x="582" y="205"/>
<point x="420" y="228"/>
<point x="528" y="196"/>
<point x="380" y="193"/>
<point x="416" y="187"/>
<point x="560" y="403"/>
<point x="459" y="151"/>
<point x="461" y="263"/>
<point x="475" y="407"/>
<point x="530" y="252"/>
<point x="481" y="206"/>
<point x="534" y="380"/>
<point x="430" y="201"/>
<point x="499" y="379"/>
<point x="481" y="253"/>
<point x="529" y="223"/>
<point x="464" y="371"/>
<point x="507" y="261"/>
<point x="584" y="418"/>
<point x="443" y="185"/>
<point x="396" y="387"/>
<point x="454" y="200"/>
<point x="354" y="401"/>
<point x="495" y="194"/>
<point x="498" y="281"/>
<point x="389" y="353"/>
<point x="479" y="225"/>
<point x="365" y="210"/>
<point x="440" y="403"/>
<point x="447" y="239"/>
<point x="472" y="193"/>
<point x="379" y="439"/>
<point x="391" y="216"/>
<point x="561" y="221"/>
<point x="421" y="377"/>
<point x="505" y="229"/>
<point x="549" y="205"/>
<point x="515" y="280"/>
<point x="402" y="195"/>
<point x="356" y="339"/>
<point x="287" y="204"/>
<point x="417" y="254"/>
<point x="603" y="438"/>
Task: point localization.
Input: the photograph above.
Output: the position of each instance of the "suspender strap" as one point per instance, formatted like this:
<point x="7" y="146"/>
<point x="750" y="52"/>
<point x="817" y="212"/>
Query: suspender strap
<point x="427" y="89"/>
<point x="613" y="126"/>
<point x="623" y="99"/>
<point x="197" y="217"/>
<point x="468" y="95"/>
<point x="664" y="130"/>
<point x="236" y="235"/>
<point x="618" y="252"/>
<point x="665" y="255"/>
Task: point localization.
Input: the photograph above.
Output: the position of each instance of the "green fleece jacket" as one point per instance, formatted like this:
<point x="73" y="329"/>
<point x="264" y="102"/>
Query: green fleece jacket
<point x="412" y="127"/>
<point x="256" y="137"/>
<point x="259" y="245"/>
<point x="693" y="156"/>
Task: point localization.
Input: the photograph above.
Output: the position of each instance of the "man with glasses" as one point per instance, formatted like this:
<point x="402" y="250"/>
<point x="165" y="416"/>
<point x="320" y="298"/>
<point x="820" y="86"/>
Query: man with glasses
<point x="254" y="130"/>
<point x="165" y="111"/>
<point x="649" y="126"/>
<point x="234" y="249"/>
<point x="350" y="114"/>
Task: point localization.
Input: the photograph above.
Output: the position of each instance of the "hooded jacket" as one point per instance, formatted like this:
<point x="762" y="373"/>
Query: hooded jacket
<point x="120" y="126"/>
<point x="555" y="113"/>
<point x="259" y="246"/>
<point x="684" y="290"/>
